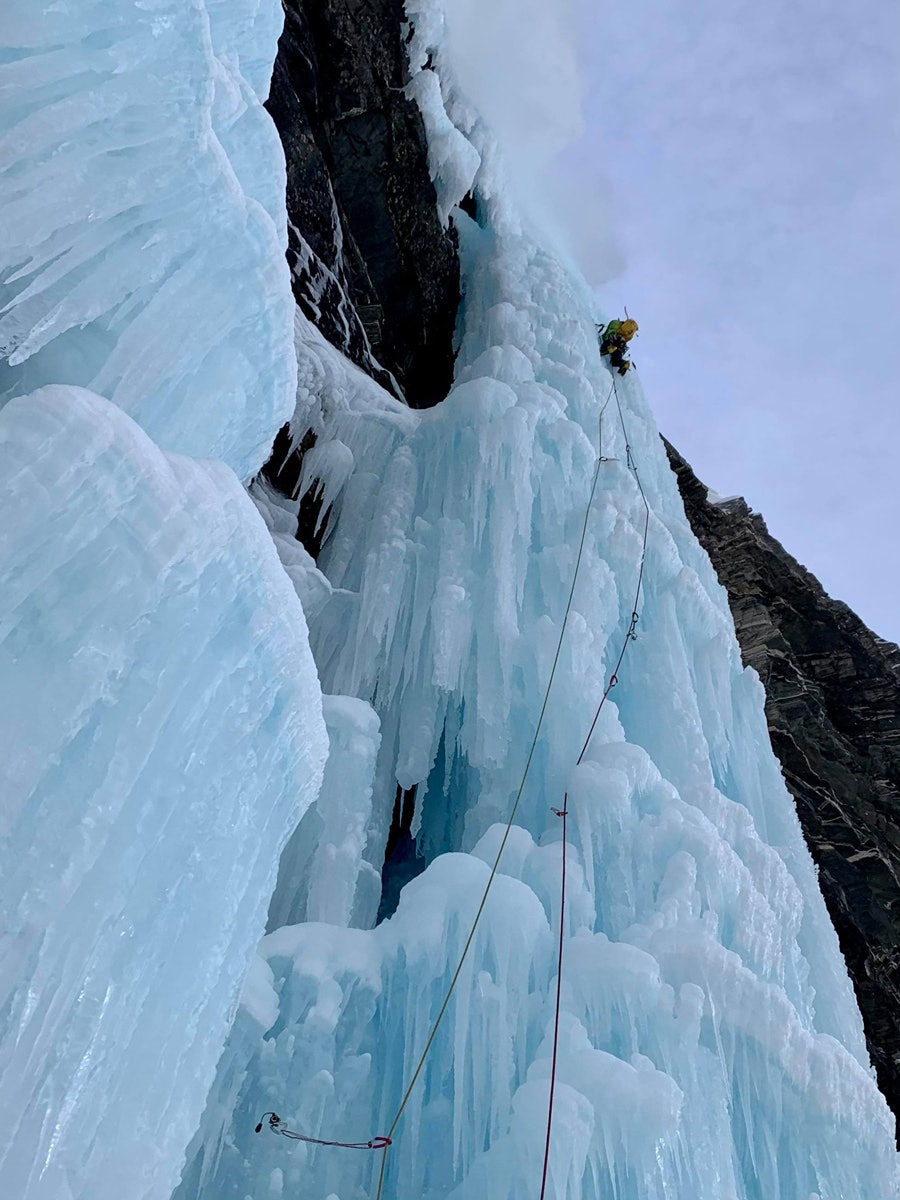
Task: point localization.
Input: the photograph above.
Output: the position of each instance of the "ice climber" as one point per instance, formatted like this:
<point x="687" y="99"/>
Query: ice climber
<point x="614" y="339"/>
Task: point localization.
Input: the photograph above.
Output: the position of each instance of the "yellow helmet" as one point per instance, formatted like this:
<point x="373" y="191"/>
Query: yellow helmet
<point x="628" y="329"/>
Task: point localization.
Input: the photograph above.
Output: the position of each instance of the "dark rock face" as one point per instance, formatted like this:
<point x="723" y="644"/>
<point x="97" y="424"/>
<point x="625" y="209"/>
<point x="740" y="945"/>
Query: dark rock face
<point x="402" y="860"/>
<point x="371" y="264"/>
<point x="833" y="708"/>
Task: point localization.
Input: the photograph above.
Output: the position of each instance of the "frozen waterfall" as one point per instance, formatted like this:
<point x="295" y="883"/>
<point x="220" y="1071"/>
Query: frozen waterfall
<point x="166" y="644"/>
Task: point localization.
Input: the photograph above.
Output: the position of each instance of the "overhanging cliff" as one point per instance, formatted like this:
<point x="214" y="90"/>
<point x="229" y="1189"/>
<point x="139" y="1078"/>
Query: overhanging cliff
<point x="371" y="263"/>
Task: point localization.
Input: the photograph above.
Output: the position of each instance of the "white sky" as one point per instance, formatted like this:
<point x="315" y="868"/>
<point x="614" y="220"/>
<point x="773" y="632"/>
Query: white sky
<point x="736" y="183"/>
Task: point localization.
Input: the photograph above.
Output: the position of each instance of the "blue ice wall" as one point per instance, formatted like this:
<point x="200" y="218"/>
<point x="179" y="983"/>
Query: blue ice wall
<point x="162" y="733"/>
<point x="161" y="730"/>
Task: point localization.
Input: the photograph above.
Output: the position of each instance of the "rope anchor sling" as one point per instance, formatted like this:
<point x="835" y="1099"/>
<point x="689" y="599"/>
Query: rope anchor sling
<point x="277" y="1126"/>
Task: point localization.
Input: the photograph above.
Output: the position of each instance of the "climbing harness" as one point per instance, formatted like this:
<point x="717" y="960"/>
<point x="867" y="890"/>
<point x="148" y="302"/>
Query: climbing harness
<point x="614" y="338"/>
<point x="384" y="1143"/>
<point x="630" y="636"/>
<point x="275" y="1124"/>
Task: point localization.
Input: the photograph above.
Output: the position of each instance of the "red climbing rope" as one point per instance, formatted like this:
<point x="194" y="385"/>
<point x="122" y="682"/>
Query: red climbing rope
<point x="630" y="636"/>
<point x="560" y="812"/>
<point x="275" y="1124"/>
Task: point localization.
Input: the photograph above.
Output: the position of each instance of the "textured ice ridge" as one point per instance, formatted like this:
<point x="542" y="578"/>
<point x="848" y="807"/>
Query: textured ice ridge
<point x="142" y="207"/>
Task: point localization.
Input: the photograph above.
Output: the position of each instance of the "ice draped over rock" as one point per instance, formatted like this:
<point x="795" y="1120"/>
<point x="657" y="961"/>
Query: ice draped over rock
<point x="161" y="730"/>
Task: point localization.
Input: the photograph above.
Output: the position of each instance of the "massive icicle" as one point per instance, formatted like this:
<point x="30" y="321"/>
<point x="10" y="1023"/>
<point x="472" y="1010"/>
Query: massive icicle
<point x="322" y="875"/>
<point x="160" y="717"/>
<point x="162" y="733"/>
<point x="711" y="1047"/>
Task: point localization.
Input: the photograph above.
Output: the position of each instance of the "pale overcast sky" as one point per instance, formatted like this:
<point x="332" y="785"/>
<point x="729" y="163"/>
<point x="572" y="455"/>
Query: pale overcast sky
<point x="736" y="183"/>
